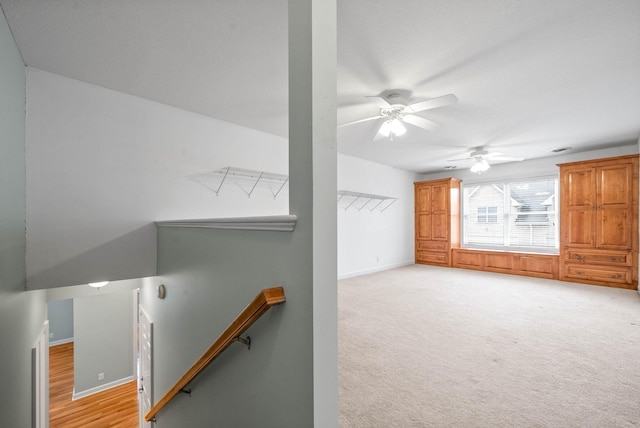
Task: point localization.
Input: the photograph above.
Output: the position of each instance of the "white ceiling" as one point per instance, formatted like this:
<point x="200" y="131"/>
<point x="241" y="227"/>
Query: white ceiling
<point x="530" y="76"/>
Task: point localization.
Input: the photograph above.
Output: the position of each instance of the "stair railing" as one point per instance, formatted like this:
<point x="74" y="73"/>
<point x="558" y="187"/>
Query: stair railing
<point x="254" y="310"/>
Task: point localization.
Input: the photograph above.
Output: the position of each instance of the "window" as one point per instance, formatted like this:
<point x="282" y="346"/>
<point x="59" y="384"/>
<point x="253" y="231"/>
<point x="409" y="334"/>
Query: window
<point x="511" y="215"/>
<point x="487" y="214"/>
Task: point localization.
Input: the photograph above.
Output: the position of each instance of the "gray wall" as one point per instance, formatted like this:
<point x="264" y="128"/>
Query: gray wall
<point x="73" y="291"/>
<point x="60" y="321"/>
<point x="103" y="339"/>
<point x="22" y="313"/>
<point x="210" y="276"/>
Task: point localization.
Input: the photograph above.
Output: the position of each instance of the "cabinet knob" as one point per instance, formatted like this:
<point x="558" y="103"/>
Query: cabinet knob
<point x="615" y="259"/>
<point x="579" y="256"/>
<point x="615" y="275"/>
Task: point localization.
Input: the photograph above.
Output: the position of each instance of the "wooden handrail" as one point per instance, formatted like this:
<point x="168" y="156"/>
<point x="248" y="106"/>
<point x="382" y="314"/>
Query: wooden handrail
<point x="254" y="310"/>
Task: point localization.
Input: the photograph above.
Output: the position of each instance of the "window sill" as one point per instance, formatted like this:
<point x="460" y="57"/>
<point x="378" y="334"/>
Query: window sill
<point x="515" y="250"/>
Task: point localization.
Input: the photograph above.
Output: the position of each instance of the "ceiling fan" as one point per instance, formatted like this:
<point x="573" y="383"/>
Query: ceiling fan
<point x="481" y="157"/>
<point x="395" y="111"/>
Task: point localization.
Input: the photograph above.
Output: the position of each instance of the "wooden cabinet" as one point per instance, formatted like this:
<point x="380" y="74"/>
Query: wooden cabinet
<point x="437" y="220"/>
<point x="599" y="221"/>
<point x="526" y="264"/>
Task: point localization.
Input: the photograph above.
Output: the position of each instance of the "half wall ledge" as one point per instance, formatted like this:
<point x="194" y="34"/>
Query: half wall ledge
<point x="279" y="223"/>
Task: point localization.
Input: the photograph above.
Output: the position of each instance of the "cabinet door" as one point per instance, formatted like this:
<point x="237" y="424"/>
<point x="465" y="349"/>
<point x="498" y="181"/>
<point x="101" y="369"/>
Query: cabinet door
<point x="423" y="198"/>
<point x="423" y="212"/>
<point x="578" y="212"/>
<point x="440" y="212"/>
<point x="614" y="225"/>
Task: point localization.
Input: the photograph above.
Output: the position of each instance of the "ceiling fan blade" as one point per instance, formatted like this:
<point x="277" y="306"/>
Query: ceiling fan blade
<point x="382" y="103"/>
<point x="492" y="155"/>
<point x="421" y="122"/>
<point x="361" y="120"/>
<point x="507" y="158"/>
<point x="432" y="103"/>
<point x="460" y="159"/>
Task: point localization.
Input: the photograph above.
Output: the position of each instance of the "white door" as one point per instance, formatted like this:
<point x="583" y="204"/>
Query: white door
<point x="145" y="380"/>
<point x="40" y="362"/>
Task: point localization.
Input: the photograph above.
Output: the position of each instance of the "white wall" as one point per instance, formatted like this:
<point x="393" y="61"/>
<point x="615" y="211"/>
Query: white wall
<point x="102" y="166"/>
<point x="370" y="241"/>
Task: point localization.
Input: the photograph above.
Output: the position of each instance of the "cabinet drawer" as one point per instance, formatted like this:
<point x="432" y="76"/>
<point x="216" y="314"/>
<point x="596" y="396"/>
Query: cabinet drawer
<point x="609" y="258"/>
<point x="599" y="273"/>
<point x="463" y="258"/>
<point x="433" y="245"/>
<point x="435" y="257"/>
<point x="500" y="262"/>
<point x="537" y="265"/>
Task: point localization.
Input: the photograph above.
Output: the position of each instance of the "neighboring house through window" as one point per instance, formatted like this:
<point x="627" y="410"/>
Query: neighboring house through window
<point x="487" y="214"/>
<point x="511" y="215"/>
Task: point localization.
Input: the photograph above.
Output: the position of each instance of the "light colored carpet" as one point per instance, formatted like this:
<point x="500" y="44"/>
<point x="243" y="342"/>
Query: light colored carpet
<point x="423" y="346"/>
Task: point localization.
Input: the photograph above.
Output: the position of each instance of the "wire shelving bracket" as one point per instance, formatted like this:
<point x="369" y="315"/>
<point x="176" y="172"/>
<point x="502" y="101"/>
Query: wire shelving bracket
<point x="348" y="199"/>
<point x="246" y="179"/>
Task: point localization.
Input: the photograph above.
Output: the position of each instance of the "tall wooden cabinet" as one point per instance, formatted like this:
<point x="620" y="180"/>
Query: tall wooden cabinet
<point x="599" y="221"/>
<point x="437" y="220"/>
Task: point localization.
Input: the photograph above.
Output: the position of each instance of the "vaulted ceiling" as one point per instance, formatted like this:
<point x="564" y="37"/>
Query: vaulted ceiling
<point x="530" y="76"/>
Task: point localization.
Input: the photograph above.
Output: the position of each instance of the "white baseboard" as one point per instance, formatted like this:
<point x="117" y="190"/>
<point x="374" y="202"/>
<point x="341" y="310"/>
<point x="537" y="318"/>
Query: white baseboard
<point x="91" y="391"/>
<point x="373" y="270"/>
<point x="61" y="341"/>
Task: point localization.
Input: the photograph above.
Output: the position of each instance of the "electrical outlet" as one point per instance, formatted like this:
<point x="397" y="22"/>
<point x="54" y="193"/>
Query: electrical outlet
<point x="100" y="376"/>
<point x="50" y="335"/>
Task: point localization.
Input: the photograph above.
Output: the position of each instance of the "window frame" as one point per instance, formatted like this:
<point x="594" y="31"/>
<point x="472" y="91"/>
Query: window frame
<point x="553" y="215"/>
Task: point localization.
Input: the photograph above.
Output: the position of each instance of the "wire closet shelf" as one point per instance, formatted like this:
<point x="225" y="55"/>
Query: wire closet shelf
<point x="246" y="179"/>
<point x="359" y="201"/>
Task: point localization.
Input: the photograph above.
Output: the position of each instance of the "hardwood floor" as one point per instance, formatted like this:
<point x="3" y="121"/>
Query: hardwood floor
<point x="114" y="408"/>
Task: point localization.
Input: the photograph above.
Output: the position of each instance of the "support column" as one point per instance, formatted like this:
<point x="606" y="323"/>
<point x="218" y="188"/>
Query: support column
<point x="313" y="175"/>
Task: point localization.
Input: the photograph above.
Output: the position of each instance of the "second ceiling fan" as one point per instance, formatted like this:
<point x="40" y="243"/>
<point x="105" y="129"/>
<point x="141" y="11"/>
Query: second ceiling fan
<point x="480" y="156"/>
<point x="395" y="111"/>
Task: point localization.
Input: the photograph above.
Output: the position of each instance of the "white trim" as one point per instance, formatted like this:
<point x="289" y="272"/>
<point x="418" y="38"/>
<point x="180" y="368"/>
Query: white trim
<point x="373" y="270"/>
<point x="278" y="223"/>
<point x="61" y="341"/>
<point x="145" y="378"/>
<point x="40" y="379"/>
<point x="136" y="322"/>
<point x="91" y="391"/>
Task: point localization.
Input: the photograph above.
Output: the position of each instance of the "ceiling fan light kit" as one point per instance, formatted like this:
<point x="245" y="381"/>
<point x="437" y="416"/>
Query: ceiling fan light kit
<point x="481" y="156"/>
<point x="480" y="166"/>
<point x="395" y="111"/>
<point x="392" y="128"/>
